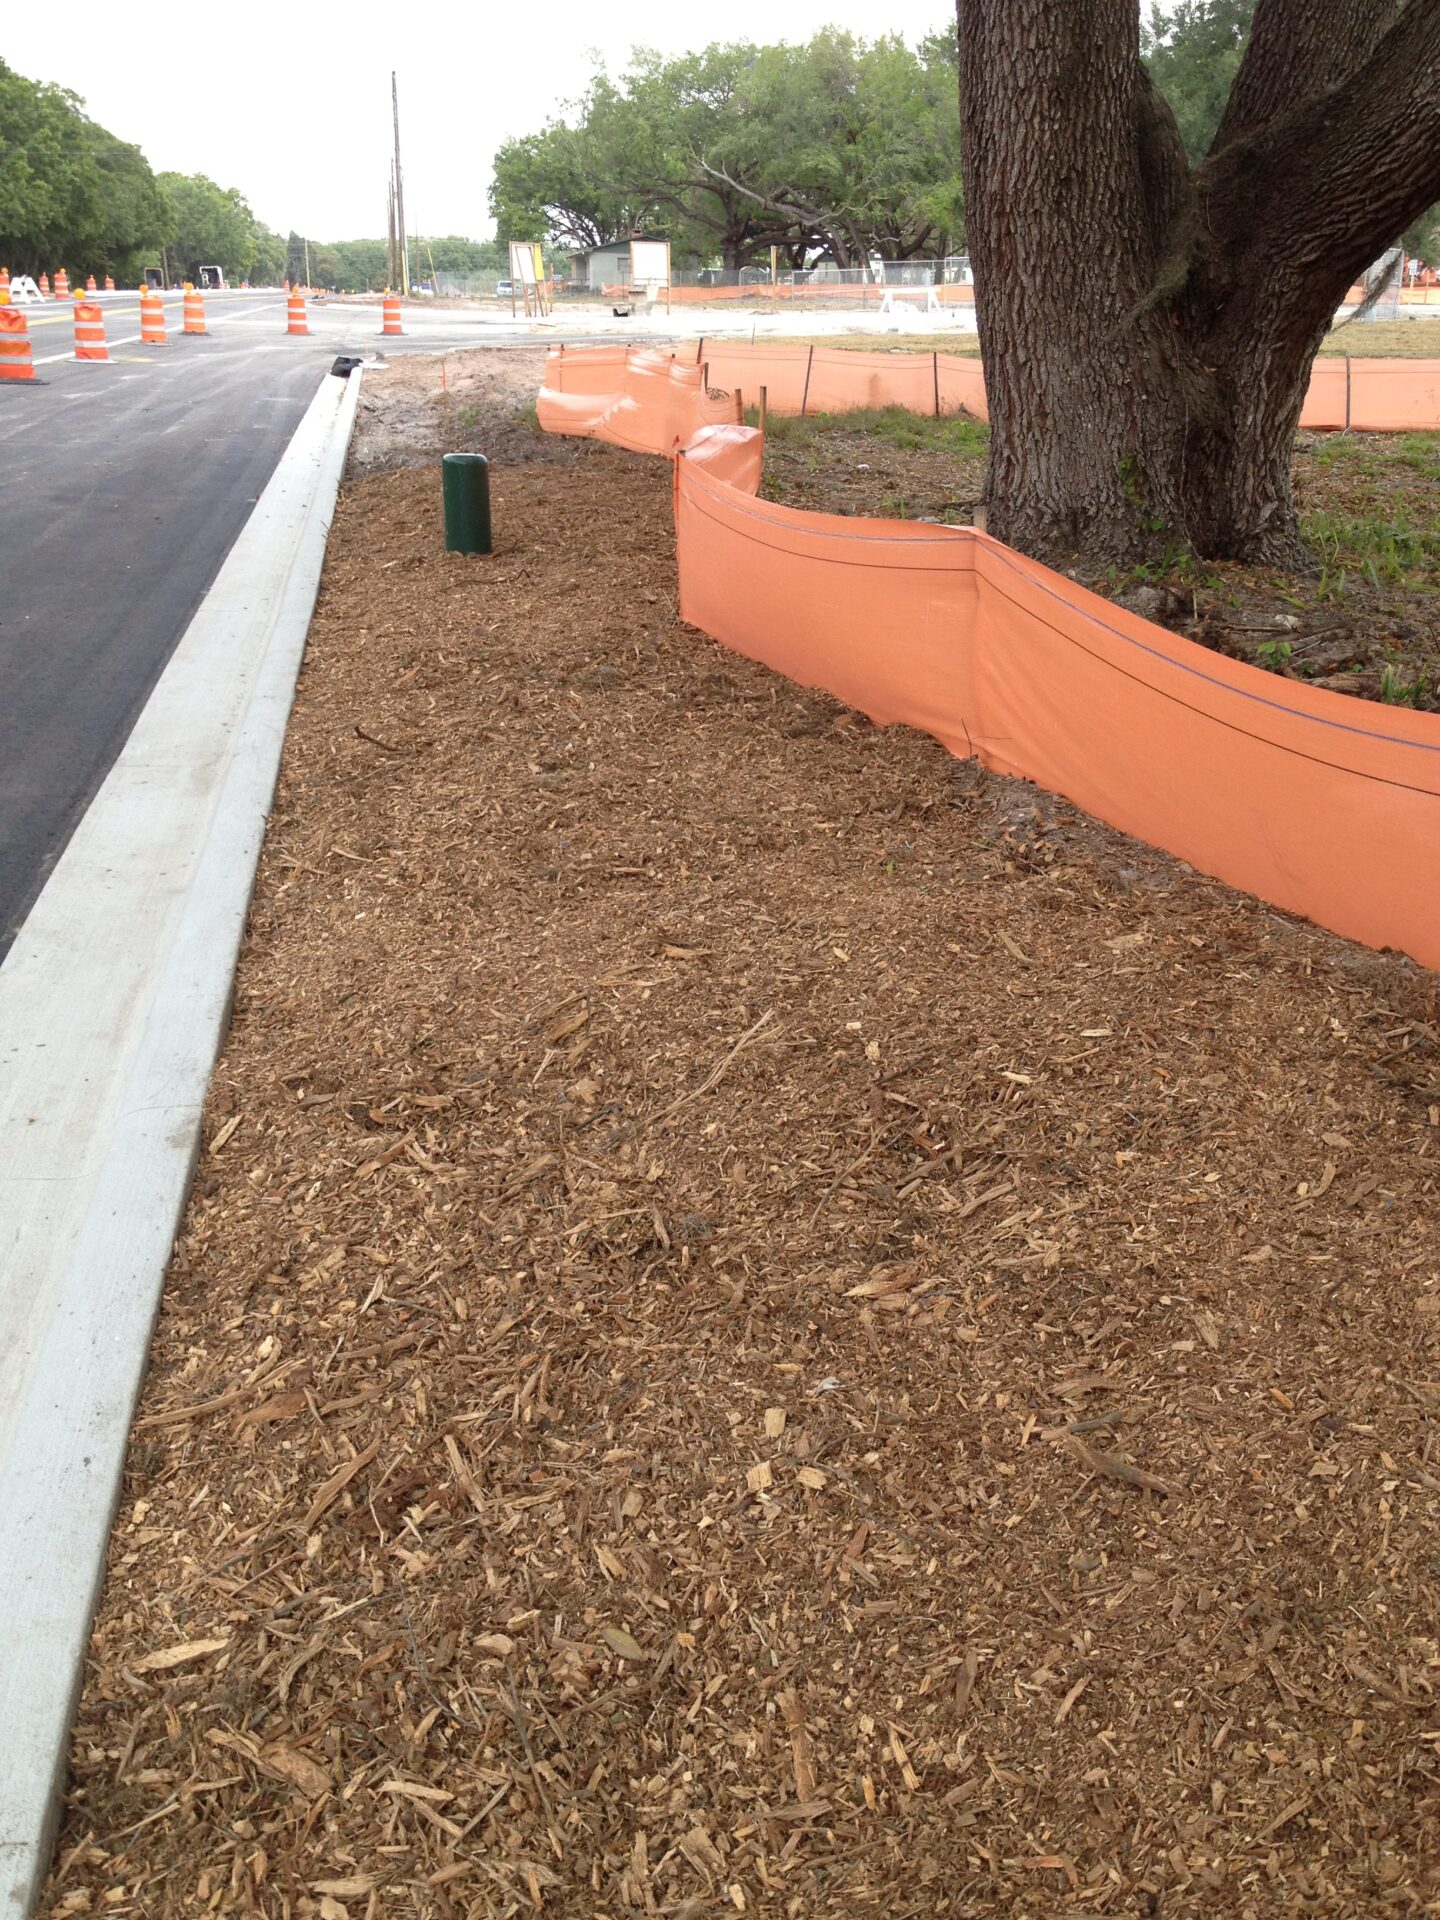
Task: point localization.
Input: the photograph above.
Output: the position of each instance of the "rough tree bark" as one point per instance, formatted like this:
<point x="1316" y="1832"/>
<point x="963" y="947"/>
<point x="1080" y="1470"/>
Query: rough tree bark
<point x="1148" y="331"/>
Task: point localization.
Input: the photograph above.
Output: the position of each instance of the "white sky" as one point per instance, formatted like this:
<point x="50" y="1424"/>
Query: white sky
<point x="291" y="102"/>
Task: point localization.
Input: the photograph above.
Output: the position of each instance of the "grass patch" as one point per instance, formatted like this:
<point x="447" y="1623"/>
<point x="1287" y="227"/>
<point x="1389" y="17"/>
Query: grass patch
<point x="1382" y="547"/>
<point x="967" y="344"/>
<point x="912" y="432"/>
<point x="1386" y="340"/>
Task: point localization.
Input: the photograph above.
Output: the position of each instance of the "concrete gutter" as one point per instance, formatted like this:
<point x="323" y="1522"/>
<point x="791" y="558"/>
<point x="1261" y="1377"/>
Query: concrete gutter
<point x="113" y="1004"/>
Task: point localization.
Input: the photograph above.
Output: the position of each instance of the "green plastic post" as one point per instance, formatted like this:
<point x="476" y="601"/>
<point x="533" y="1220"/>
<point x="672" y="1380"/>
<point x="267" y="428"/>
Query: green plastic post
<point x="465" y="481"/>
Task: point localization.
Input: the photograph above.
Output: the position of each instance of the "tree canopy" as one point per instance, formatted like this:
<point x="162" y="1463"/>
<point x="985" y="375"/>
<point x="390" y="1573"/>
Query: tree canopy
<point x="211" y="226"/>
<point x="70" y="193"/>
<point x="841" y="145"/>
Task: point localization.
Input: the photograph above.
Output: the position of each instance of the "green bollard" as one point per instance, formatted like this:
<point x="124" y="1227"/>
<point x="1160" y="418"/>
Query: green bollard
<point x="465" y="481"/>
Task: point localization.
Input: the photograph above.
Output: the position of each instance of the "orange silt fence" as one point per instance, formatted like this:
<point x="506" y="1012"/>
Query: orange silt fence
<point x="295" y="321"/>
<point x="1323" y="804"/>
<point x="17" y="361"/>
<point x="194" y="312"/>
<point x="152" y="318"/>
<point x="90" y="332"/>
<point x="390" y="316"/>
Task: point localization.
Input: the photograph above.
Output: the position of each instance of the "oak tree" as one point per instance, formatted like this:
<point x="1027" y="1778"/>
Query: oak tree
<point x="1148" y="325"/>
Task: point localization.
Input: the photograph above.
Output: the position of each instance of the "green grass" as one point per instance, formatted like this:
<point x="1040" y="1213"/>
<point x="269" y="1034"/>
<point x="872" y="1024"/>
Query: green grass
<point x="1386" y="339"/>
<point x="912" y="432"/>
<point x="1383" y="548"/>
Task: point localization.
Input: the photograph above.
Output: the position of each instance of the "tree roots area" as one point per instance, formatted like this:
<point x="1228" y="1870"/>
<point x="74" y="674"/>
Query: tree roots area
<point x="768" y="1324"/>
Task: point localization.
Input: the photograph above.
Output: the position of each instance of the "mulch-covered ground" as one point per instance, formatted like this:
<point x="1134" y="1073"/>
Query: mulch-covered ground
<point x="768" y="1324"/>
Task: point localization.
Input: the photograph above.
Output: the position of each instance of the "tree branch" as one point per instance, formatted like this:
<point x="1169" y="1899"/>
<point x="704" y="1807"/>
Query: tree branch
<point x="1299" y="49"/>
<point x="1345" y="171"/>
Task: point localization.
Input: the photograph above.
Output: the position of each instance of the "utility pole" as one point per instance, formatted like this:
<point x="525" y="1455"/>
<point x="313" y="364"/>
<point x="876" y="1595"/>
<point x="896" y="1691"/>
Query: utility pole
<point x="392" y="273"/>
<point x="402" y="261"/>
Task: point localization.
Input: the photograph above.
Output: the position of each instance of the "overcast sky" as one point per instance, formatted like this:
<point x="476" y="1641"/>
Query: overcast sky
<point x="291" y="102"/>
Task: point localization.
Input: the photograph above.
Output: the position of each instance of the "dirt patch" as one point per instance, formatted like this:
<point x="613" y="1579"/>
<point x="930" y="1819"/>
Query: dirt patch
<point x="767" y="1324"/>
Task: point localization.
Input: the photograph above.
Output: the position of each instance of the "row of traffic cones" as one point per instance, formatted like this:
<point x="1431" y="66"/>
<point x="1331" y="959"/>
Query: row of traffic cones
<point x="295" y="321"/>
<point x="17" y="356"/>
<point x="62" y="285"/>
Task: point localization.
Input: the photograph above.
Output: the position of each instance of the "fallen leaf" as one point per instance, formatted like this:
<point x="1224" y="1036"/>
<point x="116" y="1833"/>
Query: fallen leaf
<point x="623" y="1643"/>
<point x="177" y="1656"/>
<point x="298" y="1768"/>
<point x="1114" y="1468"/>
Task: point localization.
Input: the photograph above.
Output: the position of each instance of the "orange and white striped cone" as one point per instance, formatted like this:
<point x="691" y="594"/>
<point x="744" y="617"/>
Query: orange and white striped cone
<point x="194" y="312"/>
<point x="152" y="318"/>
<point x="391" y="321"/>
<point x="295" y="314"/>
<point x="62" y="285"/>
<point x="109" y="283"/>
<point x="90" y="286"/>
<point x="90" y="331"/>
<point x="4" y="286"/>
<point x="16" y="355"/>
<point x="44" y="286"/>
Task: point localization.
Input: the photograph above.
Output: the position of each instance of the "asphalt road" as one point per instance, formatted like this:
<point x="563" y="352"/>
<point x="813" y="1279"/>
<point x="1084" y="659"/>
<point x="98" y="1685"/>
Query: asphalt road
<point x="122" y="488"/>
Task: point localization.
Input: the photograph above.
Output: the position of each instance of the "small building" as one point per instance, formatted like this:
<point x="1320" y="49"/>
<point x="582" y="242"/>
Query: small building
<point x="607" y="266"/>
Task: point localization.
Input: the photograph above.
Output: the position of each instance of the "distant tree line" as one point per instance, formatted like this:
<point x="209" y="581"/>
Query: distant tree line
<point x="842" y="145"/>
<point x="359" y="266"/>
<point x="73" y="195"/>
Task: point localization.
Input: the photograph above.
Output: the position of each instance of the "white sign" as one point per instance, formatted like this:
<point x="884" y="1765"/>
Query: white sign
<point x="650" y="262"/>
<point x="524" y="262"/>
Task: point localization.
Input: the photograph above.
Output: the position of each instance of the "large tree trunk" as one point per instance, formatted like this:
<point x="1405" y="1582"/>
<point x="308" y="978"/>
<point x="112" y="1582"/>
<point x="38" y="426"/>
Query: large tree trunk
<point x="1148" y="332"/>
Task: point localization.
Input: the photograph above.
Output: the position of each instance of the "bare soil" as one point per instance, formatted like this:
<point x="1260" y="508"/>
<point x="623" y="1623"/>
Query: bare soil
<point x="768" y="1324"/>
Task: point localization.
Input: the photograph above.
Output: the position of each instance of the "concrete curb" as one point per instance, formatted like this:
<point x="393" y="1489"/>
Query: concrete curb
<point x="113" y="1004"/>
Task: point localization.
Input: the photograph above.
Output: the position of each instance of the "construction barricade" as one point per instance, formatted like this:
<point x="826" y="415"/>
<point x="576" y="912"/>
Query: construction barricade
<point x="152" y="318"/>
<point x="1324" y="805"/>
<point x="295" y="321"/>
<point x="62" y="285"/>
<point x="193" y="306"/>
<point x="17" y="359"/>
<point x="4" y="286"/>
<point x="390" y="316"/>
<point x="90" y="332"/>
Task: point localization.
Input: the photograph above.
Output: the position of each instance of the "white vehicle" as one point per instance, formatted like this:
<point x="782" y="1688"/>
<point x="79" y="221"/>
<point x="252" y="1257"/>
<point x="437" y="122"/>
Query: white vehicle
<point x="211" y="279"/>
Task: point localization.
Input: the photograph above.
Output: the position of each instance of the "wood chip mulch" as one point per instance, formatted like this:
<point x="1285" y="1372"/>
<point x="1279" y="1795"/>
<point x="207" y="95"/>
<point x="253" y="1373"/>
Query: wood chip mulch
<point x="768" y="1324"/>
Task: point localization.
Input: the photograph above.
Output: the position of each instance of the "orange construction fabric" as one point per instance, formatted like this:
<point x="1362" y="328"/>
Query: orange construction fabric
<point x="1325" y="805"/>
<point x="1373" y="396"/>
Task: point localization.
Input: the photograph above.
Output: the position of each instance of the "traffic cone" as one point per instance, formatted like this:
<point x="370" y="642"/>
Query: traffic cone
<point x="152" y="318"/>
<point x="62" y="285"/>
<point x="90" y="331"/>
<point x="295" y="314"/>
<point x="90" y="283"/>
<point x="4" y="286"/>
<point x="16" y="361"/>
<point x="44" y="286"/>
<point x="109" y="283"/>
<point x="194" y="312"/>
<point x="391" y="322"/>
